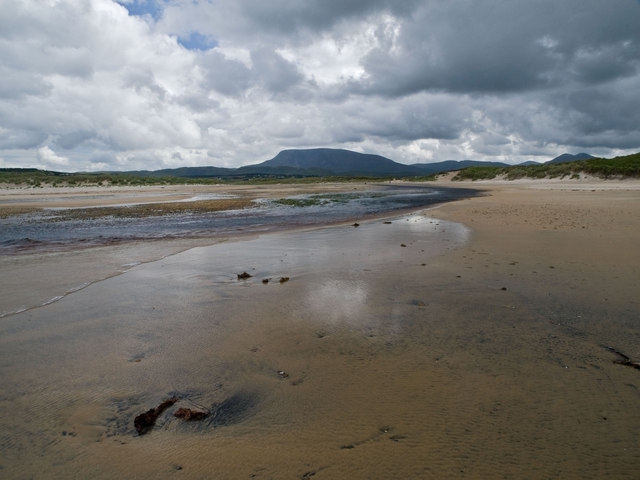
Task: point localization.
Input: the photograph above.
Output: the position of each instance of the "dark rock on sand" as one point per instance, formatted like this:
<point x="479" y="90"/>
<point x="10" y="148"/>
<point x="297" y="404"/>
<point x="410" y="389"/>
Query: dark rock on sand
<point x="145" y="421"/>
<point x="244" y="276"/>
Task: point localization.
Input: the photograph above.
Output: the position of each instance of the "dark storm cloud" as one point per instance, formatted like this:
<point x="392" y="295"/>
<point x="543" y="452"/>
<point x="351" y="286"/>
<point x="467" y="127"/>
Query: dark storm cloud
<point x="74" y="139"/>
<point x="599" y="116"/>
<point x="274" y="72"/>
<point x="227" y="76"/>
<point x="21" y="139"/>
<point x="408" y="119"/>
<point x="496" y="46"/>
<point x="287" y="16"/>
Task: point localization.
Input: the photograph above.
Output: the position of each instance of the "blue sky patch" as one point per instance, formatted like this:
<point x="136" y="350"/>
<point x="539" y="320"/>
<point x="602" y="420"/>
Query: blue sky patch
<point x="197" y="41"/>
<point x="140" y="8"/>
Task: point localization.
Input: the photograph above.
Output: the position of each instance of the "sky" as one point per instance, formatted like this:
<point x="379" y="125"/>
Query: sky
<point x="90" y="85"/>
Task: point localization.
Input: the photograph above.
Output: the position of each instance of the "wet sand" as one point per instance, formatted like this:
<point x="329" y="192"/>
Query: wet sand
<point x="465" y="341"/>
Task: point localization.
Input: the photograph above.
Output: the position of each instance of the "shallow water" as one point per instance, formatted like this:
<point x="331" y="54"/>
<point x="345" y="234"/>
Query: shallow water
<point x="49" y="230"/>
<point x="80" y="369"/>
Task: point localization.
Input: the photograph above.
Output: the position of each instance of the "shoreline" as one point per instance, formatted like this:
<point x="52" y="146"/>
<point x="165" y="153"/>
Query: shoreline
<point x="188" y="214"/>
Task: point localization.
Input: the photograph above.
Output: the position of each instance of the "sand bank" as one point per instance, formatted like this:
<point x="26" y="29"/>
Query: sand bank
<point x="78" y="197"/>
<point x="419" y="348"/>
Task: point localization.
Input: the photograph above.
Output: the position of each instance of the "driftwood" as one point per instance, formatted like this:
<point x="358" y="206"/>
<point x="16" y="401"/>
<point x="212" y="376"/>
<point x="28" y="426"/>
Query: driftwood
<point x="624" y="358"/>
<point x="145" y="421"/>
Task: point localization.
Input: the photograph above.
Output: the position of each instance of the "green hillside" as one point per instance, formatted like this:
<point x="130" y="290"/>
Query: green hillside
<point x="618" y="167"/>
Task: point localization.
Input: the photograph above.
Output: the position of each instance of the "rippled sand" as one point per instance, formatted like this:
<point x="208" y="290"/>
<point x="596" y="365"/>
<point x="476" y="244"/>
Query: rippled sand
<point x="419" y="348"/>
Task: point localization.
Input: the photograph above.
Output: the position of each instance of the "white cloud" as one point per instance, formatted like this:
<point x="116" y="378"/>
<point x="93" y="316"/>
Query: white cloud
<point x="107" y="85"/>
<point x="49" y="158"/>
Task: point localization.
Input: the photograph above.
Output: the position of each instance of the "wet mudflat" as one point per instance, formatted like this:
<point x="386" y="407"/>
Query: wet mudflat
<point x="391" y="352"/>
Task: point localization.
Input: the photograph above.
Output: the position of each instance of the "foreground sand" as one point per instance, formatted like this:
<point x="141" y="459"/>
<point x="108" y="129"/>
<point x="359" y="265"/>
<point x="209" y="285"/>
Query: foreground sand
<point x="416" y="349"/>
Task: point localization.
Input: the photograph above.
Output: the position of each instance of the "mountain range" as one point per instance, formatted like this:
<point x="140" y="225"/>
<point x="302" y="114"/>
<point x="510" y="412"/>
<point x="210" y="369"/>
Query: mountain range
<point x="334" y="162"/>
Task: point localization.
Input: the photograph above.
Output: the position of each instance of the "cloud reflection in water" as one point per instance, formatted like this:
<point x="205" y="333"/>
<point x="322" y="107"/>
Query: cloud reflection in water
<point x="338" y="300"/>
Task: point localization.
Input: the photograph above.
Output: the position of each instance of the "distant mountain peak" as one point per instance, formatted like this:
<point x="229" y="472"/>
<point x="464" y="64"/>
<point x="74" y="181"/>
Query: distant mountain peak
<point x="567" y="157"/>
<point x="337" y="162"/>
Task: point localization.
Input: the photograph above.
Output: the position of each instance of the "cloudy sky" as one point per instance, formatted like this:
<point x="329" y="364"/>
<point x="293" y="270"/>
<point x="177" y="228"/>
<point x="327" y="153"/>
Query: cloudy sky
<point x="130" y="84"/>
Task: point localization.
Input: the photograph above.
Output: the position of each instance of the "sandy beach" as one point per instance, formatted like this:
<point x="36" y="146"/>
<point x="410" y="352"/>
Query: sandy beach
<point x="478" y="339"/>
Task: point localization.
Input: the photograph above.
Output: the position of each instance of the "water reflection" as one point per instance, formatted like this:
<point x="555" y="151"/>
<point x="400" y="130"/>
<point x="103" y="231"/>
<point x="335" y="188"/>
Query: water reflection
<point x="338" y="300"/>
